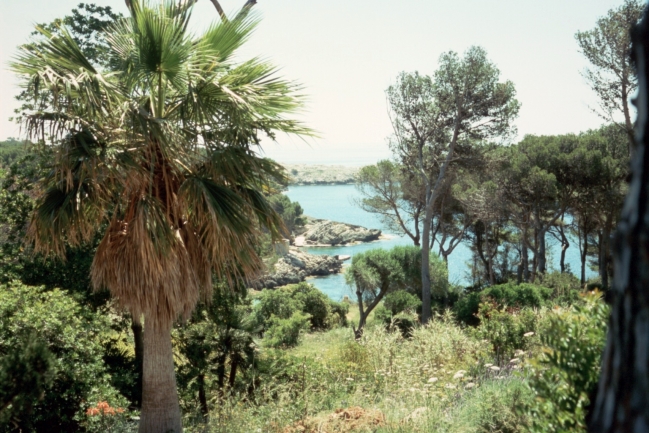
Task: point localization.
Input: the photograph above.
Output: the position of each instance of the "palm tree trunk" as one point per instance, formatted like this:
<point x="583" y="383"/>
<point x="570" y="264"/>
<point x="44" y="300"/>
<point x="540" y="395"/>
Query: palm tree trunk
<point x="160" y="408"/>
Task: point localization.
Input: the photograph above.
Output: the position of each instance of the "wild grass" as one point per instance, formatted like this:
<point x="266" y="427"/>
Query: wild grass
<point x="435" y="381"/>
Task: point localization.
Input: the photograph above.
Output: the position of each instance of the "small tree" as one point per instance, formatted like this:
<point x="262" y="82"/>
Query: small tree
<point x="375" y="273"/>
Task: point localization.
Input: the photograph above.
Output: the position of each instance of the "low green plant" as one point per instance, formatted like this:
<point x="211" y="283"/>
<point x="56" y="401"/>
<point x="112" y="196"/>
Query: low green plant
<point x="567" y="372"/>
<point x="507" y="329"/>
<point x="504" y="295"/>
<point x="286" y="332"/>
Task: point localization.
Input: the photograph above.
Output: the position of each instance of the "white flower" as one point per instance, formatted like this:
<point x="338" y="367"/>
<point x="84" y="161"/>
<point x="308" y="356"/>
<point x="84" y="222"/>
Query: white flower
<point x="528" y="334"/>
<point x="458" y="375"/>
<point x="432" y="380"/>
<point x="488" y="365"/>
<point x="469" y="385"/>
<point x="494" y="368"/>
<point x="514" y="361"/>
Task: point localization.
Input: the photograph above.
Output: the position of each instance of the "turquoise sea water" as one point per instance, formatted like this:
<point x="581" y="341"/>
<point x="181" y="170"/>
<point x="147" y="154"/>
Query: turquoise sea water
<point x="336" y="202"/>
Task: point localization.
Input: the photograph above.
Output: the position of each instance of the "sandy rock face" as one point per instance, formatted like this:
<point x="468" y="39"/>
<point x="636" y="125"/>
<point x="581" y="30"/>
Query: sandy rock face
<point x="325" y="232"/>
<point x="295" y="266"/>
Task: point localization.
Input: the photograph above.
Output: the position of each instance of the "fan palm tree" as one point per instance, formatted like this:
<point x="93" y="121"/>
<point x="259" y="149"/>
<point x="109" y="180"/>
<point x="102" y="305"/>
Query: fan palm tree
<point x="159" y="153"/>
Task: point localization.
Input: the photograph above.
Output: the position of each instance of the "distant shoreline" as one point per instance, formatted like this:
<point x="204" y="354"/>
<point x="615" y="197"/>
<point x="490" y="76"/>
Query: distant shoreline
<point x="320" y="174"/>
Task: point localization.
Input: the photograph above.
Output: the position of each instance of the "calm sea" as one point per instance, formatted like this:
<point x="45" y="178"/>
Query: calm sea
<point x="336" y="202"/>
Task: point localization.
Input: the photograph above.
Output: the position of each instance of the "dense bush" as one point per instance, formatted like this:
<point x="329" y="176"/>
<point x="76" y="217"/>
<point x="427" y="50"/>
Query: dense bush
<point x="400" y="301"/>
<point x="567" y="371"/>
<point x="73" y="336"/>
<point x="286" y="332"/>
<point x="504" y="295"/>
<point x="283" y="302"/>
<point x="507" y="330"/>
<point x="565" y="286"/>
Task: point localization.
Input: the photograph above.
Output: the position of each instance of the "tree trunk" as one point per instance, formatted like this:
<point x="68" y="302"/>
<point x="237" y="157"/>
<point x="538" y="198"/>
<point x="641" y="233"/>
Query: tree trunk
<point x="541" y="243"/>
<point x="564" y="247"/>
<point x="584" y="256"/>
<point x="234" y="363"/>
<point x="202" y="397"/>
<point x="160" y="408"/>
<point x="525" y="259"/>
<point x="622" y="402"/>
<point x="138" y="338"/>
<point x="426" y="308"/>
<point x="604" y="250"/>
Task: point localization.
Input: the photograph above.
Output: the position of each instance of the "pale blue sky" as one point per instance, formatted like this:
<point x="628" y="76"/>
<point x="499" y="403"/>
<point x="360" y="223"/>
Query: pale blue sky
<point x="346" y="53"/>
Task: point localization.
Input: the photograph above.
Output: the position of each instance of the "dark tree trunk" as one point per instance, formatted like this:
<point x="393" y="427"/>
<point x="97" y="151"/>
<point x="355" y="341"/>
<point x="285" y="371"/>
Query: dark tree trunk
<point x="541" y="243"/>
<point x="622" y="402"/>
<point x="202" y="397"/>
<point x="138" y="338"/>
<point x="426" y="308"/>
<point x="234" y="363"/>
<point x="564" y="247"/>
<point x="604" y="250"/>
<point x="584" y="253"/>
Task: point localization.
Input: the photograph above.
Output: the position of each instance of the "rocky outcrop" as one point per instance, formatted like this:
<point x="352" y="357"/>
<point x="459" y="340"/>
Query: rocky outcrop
<point x="317" y="232"/>
<point x="295" y="266"/>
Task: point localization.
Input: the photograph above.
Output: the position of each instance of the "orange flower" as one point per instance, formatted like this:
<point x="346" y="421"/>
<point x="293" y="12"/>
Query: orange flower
<point x="109" y="411"/>
<point x="92" y="411"/>
<point x="103" y="405"/>
<point x="120" y="410"/>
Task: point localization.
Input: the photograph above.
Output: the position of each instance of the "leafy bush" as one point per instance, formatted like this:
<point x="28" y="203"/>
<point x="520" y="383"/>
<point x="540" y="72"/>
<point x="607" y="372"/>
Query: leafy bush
<point x="283" y="302"/>
<point x="286" y="332"/>
<point x="565" y="286"/>
<point x="339" y="311"/>
<point x="506" y="330"/>
<point x="400" y="301"/>
<point x="73" y="335"/>
<point x="25" y="373"/>
<point x="510" y="295"/>
<point x="567" y="372"/>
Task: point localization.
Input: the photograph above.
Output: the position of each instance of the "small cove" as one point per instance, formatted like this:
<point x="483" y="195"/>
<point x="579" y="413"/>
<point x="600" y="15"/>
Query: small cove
<point x="336" y="202"/>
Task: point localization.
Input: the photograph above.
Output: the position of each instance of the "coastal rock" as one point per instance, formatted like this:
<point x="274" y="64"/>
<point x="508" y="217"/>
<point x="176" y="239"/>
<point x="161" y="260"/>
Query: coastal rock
<point x="295" y="266"/>
<point x="325" y="233"/>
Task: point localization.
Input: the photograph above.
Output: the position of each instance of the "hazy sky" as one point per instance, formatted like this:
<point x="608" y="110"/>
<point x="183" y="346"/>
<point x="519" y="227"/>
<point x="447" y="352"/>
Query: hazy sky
<point x="347" y="52"/>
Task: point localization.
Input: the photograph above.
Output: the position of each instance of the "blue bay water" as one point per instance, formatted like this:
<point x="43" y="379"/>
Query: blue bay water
<point x="336" y="202"/>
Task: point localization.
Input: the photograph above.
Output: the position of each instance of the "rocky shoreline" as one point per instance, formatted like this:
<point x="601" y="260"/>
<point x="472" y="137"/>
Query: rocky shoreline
<point x="319" y="232"/>
<point x="294" y="264"/>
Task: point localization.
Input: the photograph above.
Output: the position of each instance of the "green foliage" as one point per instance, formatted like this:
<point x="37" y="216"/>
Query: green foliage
<point x="286" y="332"/>
<point x="567" y="372"/>
<point x="507" y="330"/>
<point x="74" y="336"/>
<point x="283" y="302"/>
<point x="565" y="287"/>
<point x="400" y="301"/>
<point x="504" y="295"/>
<point x="25" y="374"/>
<point x="291" y="212"/>
<point x="11" y="150"/>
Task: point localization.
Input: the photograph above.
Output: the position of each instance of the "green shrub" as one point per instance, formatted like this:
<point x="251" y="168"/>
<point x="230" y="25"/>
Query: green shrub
<point x="565" y="287"/>
<point x="339" y="311"/>
<point x="73" y="335"/>
<point x="277" y="303"/>
<point x="314" y="303"/>
<point x="286" y="332"/>
<point x="509" y="295"/>
<point x="506" y="329"/>
<point x="567" y="372"/>
<point x="303" y="297"/>
<point x="400" y="301"/>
